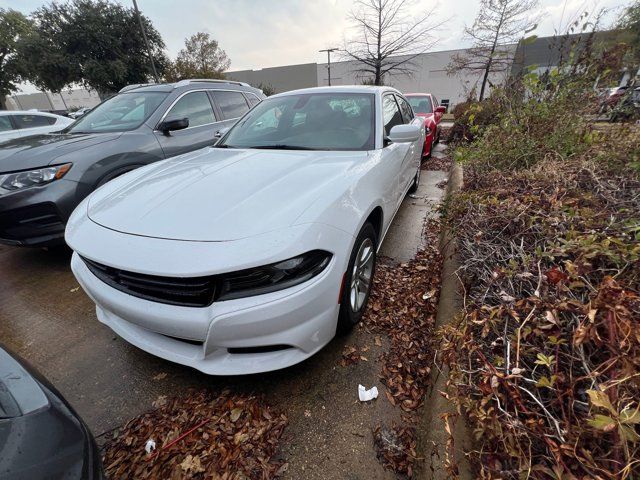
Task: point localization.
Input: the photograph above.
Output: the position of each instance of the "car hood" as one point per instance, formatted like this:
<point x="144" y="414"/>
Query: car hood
<point x="41" y="150"/>
<point x="220" y="195"/>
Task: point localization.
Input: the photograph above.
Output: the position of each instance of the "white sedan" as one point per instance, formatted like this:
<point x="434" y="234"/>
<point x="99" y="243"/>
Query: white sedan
<point x="249" y="256"/>
<point x="16" y="124"/>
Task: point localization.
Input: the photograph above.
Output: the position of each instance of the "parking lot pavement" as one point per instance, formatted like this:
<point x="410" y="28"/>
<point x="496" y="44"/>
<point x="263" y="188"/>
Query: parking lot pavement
<point x="47" y="319"/>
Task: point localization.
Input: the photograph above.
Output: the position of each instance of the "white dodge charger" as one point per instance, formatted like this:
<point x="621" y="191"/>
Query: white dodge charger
<point x="250" y="255"/>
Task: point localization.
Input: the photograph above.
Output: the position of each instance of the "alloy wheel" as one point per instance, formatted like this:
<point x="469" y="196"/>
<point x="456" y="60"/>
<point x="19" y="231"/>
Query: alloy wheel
<point x="361" y="275"/>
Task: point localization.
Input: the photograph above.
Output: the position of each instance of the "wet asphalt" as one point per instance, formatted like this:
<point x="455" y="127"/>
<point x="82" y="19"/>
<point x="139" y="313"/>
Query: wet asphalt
<point x="49" y="321"/>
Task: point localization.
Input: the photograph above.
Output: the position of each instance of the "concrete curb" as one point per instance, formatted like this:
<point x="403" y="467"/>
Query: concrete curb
<point x="433" y="438"/>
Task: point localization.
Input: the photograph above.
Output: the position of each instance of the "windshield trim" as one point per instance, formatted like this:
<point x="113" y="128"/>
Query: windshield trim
<point x="122" y="130"/>
<point x="374" y="109"/>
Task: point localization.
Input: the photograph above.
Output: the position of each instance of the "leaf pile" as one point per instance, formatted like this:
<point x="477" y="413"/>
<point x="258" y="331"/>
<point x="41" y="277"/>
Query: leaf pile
<point x="403" y="305"/>
<point x="545" y="359"/>
<point x="437" y="162"/>
<point x="396" y="448"/>
<point x="238" y="441"/>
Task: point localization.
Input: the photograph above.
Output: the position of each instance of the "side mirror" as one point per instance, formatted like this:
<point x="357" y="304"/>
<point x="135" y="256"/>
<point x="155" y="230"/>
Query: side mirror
<point x="221" y="133"/>
<point x="171" y="125"/>
<point x="441" y="109"/>
<point x="404" y="133"/>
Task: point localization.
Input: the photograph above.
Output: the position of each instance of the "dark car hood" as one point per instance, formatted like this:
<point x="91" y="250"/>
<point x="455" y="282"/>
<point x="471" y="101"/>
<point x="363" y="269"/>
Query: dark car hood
<point x="41" y="150"/>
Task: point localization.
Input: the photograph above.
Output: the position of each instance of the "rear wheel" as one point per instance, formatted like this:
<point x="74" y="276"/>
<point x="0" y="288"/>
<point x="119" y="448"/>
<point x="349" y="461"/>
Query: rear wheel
<point x="358" y="279"/>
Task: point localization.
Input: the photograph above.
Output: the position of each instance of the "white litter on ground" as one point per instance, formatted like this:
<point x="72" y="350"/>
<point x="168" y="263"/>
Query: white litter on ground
<point x="366" y="395"/>
<point x="150" y="446"/>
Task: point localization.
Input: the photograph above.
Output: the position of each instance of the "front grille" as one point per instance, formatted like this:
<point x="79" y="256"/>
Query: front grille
<point x="185" y="292"/>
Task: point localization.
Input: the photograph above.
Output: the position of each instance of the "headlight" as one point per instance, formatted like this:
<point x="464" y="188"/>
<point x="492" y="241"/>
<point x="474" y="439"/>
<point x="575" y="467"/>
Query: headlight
<point x="30" y="178"/>
<point x="277" y="276"/>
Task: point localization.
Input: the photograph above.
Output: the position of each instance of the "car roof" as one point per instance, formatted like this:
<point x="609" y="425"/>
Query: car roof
<point x="340" y="89"/>
<point x="187" y="84"/>
<point x="28" y="112"/>
<point x="416" y="94"/>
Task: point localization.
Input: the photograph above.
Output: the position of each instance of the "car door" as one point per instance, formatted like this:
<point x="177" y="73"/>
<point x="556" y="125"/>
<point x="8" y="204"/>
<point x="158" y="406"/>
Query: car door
<point x="415" y="150"/>
<point x="395" y="153"/>
<point x="32" y="124"/>
<point x="197" y="107"/>
<point x="230" y="105"/>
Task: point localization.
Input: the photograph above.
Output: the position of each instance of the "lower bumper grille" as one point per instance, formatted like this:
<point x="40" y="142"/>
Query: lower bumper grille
<point x="185" y="292"/>
<point x="30" y="222"/>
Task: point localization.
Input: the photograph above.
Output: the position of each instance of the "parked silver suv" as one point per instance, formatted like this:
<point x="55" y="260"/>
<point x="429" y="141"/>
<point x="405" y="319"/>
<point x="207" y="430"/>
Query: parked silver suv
<point x="44" y="177"/>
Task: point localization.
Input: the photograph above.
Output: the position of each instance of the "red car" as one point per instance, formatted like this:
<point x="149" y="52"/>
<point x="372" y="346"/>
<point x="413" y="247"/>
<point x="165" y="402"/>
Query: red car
<point x="425" y="105"/>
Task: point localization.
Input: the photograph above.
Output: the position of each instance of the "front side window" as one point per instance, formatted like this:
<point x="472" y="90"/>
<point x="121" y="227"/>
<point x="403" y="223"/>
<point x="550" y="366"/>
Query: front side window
<point x="407" y="112"/>
<point x="196" y="107"/>
<point x="32" y="121"/>
<point x="390" y="113"/>
<point x="317" y="121"/>
<point x="232" y="104"/>
<point x="125" y="111"/>
<point x="421" y="103"/>
<point x="5" y="123"/>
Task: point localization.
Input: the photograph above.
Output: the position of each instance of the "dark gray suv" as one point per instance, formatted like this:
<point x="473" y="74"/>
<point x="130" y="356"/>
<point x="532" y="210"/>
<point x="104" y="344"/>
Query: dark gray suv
<point x="44" y="177"/>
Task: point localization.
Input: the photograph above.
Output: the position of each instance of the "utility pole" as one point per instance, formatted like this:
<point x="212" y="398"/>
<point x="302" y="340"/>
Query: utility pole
<point x="329" y="50"/>
<point x="146" y="41"/>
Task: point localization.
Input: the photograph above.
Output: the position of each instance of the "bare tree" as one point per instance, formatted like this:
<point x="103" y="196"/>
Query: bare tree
<point x="387" y="37"/>
<point x="499" y="23"/>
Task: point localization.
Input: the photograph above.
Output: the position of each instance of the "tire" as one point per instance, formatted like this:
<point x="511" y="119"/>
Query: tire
<point x="350" y="311"/>
<point x="416" y="181"/>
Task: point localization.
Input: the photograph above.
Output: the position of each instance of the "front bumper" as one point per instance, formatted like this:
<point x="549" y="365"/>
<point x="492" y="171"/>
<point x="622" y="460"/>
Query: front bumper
<point x="242" y="336"/>
<point x="36" y="216"/>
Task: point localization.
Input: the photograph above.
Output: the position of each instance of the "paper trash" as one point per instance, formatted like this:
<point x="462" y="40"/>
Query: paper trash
<point x="366" y="395"/>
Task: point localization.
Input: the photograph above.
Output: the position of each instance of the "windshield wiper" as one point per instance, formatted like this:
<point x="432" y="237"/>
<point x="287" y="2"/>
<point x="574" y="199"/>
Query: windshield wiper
<point x="282" y="147"/>
<point x="223" y="146"/>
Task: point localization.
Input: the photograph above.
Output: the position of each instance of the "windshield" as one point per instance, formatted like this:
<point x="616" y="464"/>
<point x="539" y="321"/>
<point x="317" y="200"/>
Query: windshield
<point x="317" y="121"/>
<point x="421" y="104"/>
<point x="123" y="112"/>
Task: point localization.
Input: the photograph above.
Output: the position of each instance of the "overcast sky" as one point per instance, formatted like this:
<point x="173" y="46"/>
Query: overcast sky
<point x="265" y="33"/>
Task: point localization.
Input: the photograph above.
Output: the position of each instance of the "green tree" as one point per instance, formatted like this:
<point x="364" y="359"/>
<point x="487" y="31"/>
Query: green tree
<point x="13" y="26"/>
<point x="93" y="42"/>
<point x="202" y="57"/>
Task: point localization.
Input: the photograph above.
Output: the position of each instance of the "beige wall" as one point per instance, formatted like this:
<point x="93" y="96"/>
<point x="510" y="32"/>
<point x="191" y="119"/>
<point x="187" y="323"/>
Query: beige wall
<point x="76" y="98"/>
<point x="282" y="79"/>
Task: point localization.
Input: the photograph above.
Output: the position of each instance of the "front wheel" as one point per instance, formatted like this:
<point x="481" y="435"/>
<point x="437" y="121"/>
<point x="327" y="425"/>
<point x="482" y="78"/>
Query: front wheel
<point x="358" y="279"/>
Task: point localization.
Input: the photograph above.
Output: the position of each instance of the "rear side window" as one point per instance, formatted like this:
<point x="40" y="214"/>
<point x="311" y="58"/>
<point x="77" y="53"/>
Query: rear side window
<point x="195" y="106"/>
<point x="390" y="113"/>
<point x="252" y="99"/>
<point x="232" y="104"/>
<point x="31" y="121"/>
<point x="407" y="111"/>
<point x="5" y="123"/>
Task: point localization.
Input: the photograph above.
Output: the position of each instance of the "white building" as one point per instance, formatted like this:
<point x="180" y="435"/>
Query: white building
<point x="430" y="76"/>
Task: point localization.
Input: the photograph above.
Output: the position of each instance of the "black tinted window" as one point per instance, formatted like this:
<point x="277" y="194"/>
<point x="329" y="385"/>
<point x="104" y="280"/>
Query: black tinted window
<point x="195" y="106"/>
<point x="5" y="123"/>
<point x="390" y="113"/>
<point x="407" y="112"/>
<point x="232" y="104"/>
<point x="31" y="121"/>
